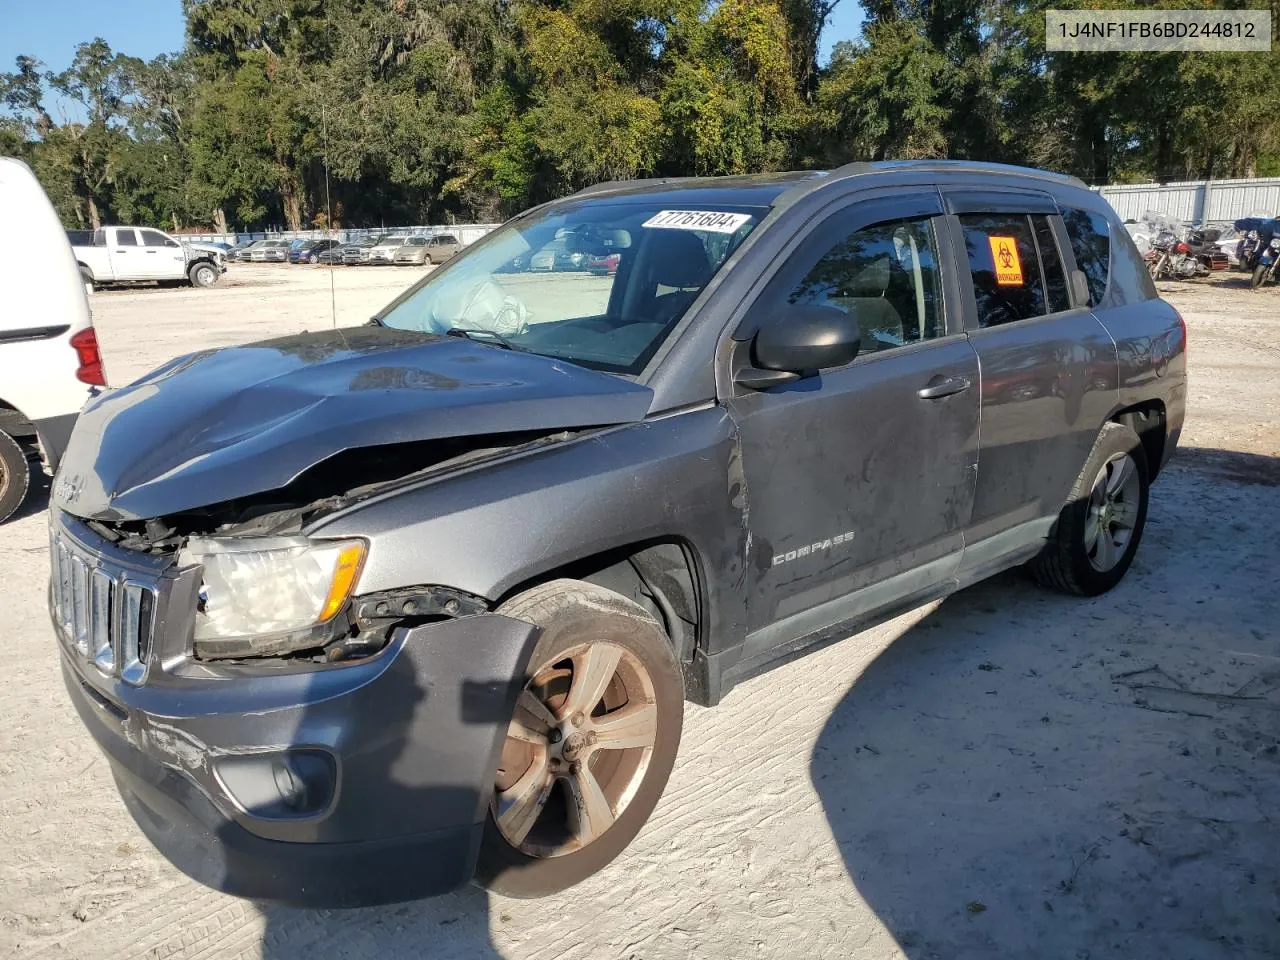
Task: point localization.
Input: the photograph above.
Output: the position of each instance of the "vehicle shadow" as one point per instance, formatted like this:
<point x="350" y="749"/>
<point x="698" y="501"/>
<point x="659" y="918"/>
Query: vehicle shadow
<point x="37" y="499"/>
<point x="401" y="787"/>
<point x="1028" y="775"/>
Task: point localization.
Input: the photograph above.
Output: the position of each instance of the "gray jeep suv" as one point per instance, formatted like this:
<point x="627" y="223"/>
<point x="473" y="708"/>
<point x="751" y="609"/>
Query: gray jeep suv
<point x="360" y="615"/>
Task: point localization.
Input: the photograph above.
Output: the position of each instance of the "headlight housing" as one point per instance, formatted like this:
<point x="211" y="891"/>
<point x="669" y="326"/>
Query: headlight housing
<point x="266" y="595"/>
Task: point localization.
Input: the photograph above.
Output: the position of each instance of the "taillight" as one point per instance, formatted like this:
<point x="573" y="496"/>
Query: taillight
<point x="1182" y="248"/>
<point x="1186" y="347"/>
<point x="85" y="344"/>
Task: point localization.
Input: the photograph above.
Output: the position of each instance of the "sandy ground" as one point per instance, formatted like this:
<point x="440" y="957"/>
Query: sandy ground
<point x="1007" y="774"/>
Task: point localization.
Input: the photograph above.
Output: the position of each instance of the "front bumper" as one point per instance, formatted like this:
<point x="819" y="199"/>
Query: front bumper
<point x="411" y="737"/>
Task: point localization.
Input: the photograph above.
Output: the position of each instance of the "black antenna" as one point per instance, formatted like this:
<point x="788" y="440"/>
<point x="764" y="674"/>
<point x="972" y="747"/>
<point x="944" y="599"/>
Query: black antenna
<point x="328" y="206"/>
<point x="328" y="216"/>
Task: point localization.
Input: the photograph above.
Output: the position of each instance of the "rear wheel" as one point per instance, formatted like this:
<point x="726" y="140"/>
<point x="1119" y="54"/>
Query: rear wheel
<point x="1259" y="274"/>
<point x="1099" y="529"/>
<point x="591" y="744"/>
<point x="15" y="476"/>
<point x="203" y="275"/>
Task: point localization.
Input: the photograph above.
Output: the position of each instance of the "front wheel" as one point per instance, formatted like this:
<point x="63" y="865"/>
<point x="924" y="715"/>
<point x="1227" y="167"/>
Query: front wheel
<point x="1099" y="529"/>
<point x="203" y="275"/>
<point x="1259" y="275"/>
<point x="592" y="742"/>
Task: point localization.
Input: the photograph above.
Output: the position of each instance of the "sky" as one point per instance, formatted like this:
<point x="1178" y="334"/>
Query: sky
<point x="50" y="29"/>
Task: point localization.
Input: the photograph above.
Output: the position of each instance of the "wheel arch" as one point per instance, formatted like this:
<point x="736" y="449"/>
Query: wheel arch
<point x="664" y="575"/>
<point x="16" y="424"/>
<point x="1148" y="419"/>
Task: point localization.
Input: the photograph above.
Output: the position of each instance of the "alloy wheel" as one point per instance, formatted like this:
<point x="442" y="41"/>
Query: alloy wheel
<point x="576" y="751"/>
<point x="1113" y="512"/>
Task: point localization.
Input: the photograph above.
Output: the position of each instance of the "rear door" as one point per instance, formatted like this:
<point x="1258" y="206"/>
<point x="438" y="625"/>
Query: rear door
<point x="447" y="246"/>
<point x="1048" y="365"/>
<point x="126" y="254"/>
<point x="162" y="257"/>
<point x="859" y="481"/>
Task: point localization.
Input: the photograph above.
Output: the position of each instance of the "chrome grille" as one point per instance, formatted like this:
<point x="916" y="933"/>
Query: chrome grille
<point x="107" y="616"/>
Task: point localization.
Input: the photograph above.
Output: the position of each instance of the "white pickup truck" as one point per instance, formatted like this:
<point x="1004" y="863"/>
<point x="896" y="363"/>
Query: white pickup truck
<point x="134" y="254"/>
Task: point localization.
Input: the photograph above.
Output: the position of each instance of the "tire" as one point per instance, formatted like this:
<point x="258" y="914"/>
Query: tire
<point x="15" y="476"/>
<point x="1259" y="274"/>
<point x="582" y="624"/>
<point x="1095" y="539"/>
<point x="202" y="275"/>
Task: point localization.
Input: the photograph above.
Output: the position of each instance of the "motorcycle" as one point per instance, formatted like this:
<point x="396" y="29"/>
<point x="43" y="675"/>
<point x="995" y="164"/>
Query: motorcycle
<point x="1265" y="265"/>
<point x="1176" y="252"/>
<point x="1259" y="249"/>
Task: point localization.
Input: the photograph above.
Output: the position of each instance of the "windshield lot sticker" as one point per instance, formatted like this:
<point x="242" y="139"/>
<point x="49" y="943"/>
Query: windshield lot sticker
<point x="708" y="220"/>
<point x="1004" y="254"/>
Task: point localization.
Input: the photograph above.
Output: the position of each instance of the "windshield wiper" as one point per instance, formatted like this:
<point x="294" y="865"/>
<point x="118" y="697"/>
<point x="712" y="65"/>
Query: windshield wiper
<point x="483" y="336"/>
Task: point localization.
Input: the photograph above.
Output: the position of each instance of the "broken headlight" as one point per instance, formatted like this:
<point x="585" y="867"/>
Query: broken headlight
<point x="270" y="587"/>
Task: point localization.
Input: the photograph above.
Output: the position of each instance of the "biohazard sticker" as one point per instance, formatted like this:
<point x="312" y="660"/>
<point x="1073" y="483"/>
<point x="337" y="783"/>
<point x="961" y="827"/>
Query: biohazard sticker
<point x="1004" y="254"/>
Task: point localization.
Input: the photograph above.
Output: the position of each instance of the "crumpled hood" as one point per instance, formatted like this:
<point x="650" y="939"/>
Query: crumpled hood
<point x="221" y="424"/>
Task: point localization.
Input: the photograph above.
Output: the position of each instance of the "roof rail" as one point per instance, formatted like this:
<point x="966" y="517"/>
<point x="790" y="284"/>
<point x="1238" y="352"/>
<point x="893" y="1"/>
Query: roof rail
<point x="607" y="185"/>
<point x="975" y="166"/>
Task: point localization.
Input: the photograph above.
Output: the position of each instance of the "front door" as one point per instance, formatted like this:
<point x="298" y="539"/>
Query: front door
<point x="860" y="480"/>
<point x="162" y="258"/>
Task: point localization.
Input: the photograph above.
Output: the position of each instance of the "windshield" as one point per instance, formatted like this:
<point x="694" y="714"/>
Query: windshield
<point x="599" y="283"/>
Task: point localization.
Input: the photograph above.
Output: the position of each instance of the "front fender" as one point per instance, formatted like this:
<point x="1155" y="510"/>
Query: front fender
<point x="490" y="529"/>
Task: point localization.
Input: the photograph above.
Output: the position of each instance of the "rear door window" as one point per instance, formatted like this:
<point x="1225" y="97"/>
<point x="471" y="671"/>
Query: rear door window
<point x="1015" y="266"/>
<point x="1091" y="243"/>
<point x="1055" y="277"/>
<point x="126" y="238"/>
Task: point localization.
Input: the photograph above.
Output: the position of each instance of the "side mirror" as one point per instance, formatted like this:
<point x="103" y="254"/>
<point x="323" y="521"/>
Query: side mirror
<point x="803" y="339"/>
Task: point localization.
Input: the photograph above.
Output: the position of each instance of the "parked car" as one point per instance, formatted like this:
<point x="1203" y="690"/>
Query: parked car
<point x="423" y="250"/>
<point x="557" y="256"/>
<point x="385" y="250"/>
<point x="133" y="254"/>
<point x="357" y="252"/>
<point x="334" y="255"/>
<point x="309" y="251"/>
<point x="49" y="359"/>
<point x="270" y="251"/>
<point x="412" y="251"/>
<point x="240" y="250"/>
<point x="603" y="264"/>
<point x="416" y="602"/>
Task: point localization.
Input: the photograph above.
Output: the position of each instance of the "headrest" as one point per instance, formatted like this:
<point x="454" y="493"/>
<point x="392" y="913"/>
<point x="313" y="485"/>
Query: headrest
<point x="872" y="280"/>
<point x="679" y="260"/>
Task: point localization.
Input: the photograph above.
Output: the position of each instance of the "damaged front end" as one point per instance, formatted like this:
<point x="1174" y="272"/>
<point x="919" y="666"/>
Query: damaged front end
<point x="220" y="463"/>
<point x="268" y="590"/>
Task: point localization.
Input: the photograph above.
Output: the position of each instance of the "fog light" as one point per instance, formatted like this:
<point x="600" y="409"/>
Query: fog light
<point x="280" y="786"/>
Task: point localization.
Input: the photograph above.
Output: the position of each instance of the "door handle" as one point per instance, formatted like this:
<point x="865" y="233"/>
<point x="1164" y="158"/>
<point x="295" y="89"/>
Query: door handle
<point x="149" y="251"/>
<point x="943" y="388"/>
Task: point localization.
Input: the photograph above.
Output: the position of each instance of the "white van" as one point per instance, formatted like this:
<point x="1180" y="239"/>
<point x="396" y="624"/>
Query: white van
<point x="49" y="360"/>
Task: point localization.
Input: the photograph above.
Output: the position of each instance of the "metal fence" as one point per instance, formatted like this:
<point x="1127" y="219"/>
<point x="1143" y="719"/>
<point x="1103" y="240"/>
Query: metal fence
<point x="1193" y="201"/>
<point x="1196" y="201"/>
<point x="465" y="232"/>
